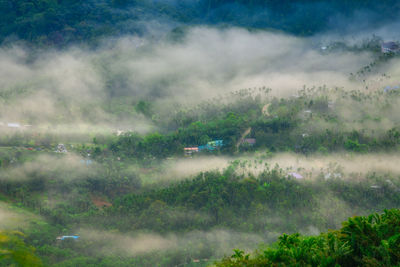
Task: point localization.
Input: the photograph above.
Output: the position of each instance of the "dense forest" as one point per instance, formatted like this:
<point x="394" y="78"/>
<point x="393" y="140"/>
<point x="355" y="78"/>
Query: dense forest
<point x="58" y="22"/>
<point x="116" y="183"/>
<point x="199" y="133"/>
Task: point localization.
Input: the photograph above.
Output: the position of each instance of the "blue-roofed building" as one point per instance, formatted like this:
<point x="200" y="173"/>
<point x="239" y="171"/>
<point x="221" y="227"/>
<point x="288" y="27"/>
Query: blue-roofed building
<point x="216" y="143"/>
<point x="64" y="237"/>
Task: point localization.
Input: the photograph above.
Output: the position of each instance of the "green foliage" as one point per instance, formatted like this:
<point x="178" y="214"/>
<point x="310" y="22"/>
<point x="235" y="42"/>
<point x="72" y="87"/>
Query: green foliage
<point x="231" y="199"/>
<point x="362" y="241"/>
<point x="14" y="251"/>
<point x="305" y="124"/>
<point x="51" y="22"/>
<point x="355" y="146"/>
<point x="144" y="108"/>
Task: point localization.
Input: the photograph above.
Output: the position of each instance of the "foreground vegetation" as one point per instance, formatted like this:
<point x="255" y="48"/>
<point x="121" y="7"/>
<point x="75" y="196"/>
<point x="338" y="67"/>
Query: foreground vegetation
<point x="14" y="251"/>
<point x="248" y="208"/>
<point x="362" y="241"/>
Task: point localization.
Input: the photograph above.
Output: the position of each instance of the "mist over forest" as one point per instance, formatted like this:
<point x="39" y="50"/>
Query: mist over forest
<point x="199" y="133"/>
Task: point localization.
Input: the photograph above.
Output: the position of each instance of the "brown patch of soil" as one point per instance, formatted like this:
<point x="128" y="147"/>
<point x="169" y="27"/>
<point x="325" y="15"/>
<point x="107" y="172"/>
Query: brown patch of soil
<point x="99" y="202"/>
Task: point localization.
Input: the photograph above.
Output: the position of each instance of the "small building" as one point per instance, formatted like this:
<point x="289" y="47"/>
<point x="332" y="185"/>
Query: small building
<point x="249" y="141"/>
<point x="295" y="175"/>
<point x="210" y="146"/>
<point x="13" y="125"/>
<point x="190" y="150"/>
<point x="214" y="144"/>
<point x="390" y="47"/>
<point x="335" y="175"/>
<point x="388" y="89"/>
<point x="61" y="148"/>
<point x="64" y="237"/>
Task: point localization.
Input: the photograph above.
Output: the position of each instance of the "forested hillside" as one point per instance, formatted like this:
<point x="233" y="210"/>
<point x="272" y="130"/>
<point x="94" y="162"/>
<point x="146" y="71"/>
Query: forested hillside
<point x="140" y="188"/>
<point x="177" y="133"/>
<point x="58" y="22"/>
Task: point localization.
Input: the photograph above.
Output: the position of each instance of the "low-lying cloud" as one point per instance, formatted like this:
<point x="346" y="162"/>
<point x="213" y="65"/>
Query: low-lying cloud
<point x="79" y="86"/>
<point x="337" y="165"/>
<point x="45" y="166"/>
<point x="12" y="218"/>
<point x="184" y="168"/>
<point x="215" y="243"/>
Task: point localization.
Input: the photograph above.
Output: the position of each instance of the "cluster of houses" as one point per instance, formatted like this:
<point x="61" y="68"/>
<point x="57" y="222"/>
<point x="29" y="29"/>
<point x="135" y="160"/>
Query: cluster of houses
<point x="386" y="47"/>
<point x="216" y="144"/>
<point x="210" y="146"/>
<point x="390" y="47"/>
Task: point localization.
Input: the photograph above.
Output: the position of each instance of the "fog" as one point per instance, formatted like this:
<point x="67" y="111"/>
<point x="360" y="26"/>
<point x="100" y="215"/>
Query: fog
<point x="88" y="91"/>
<point x="183" y="168"/>
<point x="47" y="166"/>
<point x="350" y="166"/>
<point x="12" y="218"/>
<point x="99" y="88"/>
<point x="215" y="243"/>
<point x="346" y="166"/>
